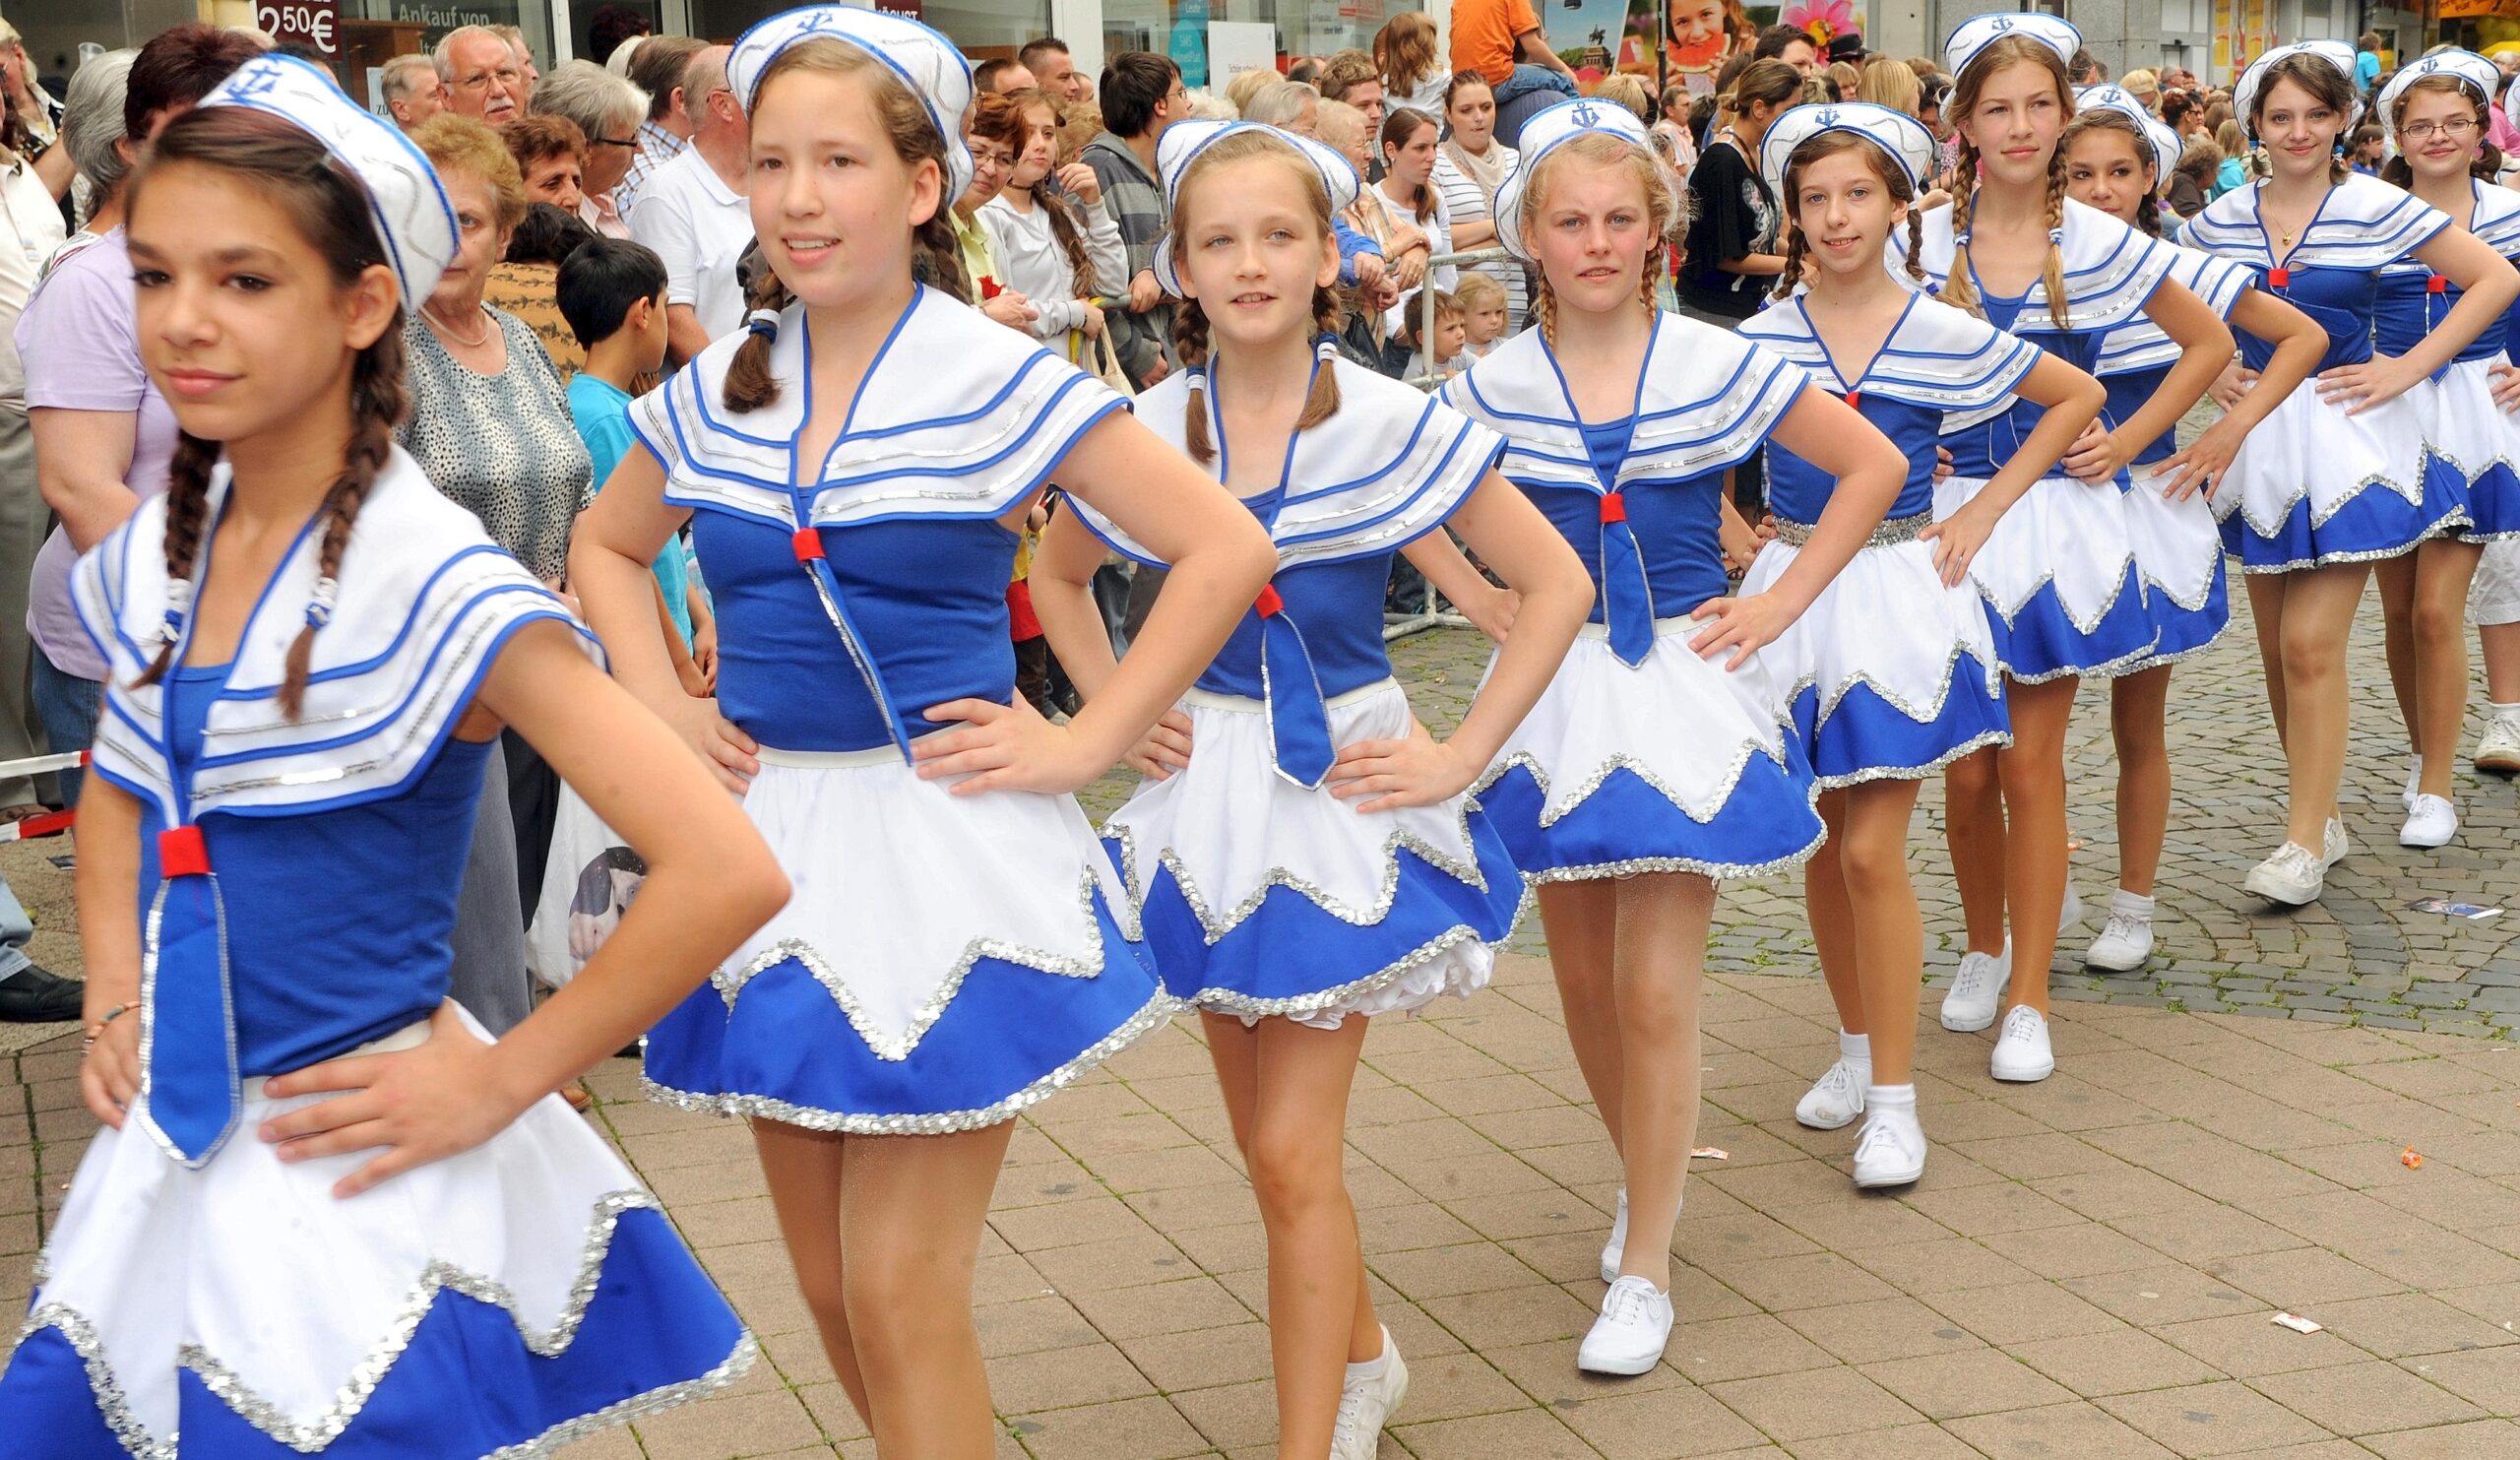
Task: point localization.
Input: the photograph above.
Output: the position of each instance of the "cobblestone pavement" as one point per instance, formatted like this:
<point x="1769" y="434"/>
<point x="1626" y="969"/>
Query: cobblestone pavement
<point x="2090" y="1267"/>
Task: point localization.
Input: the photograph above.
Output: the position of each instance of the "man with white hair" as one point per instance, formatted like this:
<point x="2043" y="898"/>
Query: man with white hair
<point x="482" y="76"/>
<point x="693" y="213"/>
<point x="522" y="51"/>
<point x="412" y="91"/>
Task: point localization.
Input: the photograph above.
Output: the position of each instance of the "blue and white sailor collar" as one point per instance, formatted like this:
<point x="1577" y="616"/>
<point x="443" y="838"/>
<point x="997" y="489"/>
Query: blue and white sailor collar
<point x="1705" y="400"/>
<point x="2141" y="344"/>
<point x="2363" y="225"/>
<point x="2493" y="215"/>
<point x="958" y="416"/>
<point x="1937" y="358"/>
<point x="2110" y="270"/>
<point x="424" y="601"/>
<point x="1387" y="468"/>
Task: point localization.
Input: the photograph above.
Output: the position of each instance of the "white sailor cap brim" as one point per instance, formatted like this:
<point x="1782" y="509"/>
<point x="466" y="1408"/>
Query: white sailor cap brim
<point x="926" y="62"/>
<point x="2335" y="53"/>
<point x="2159" y="136"/>
<point x="1544" y="133"/>
<point x="1974" y="34"/>
<point x="408" y="203"/>
<point x="1901" y="136"/>
<point x="1184" y="141"/>
<point x="2479" y="76"/>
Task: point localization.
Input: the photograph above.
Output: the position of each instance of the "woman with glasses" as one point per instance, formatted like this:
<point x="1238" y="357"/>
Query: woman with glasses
<point x="607" y="108"/>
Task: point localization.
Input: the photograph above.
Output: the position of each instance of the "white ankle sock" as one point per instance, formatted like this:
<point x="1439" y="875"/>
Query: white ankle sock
<point x="1373" y="1368"/>
<point x="1892" y="1099"/>
<point x="1855" y="1051"/>
<point x="2502" y="711"/>
<point x="2414" y="777"/>
<point x="2134" y="905"/>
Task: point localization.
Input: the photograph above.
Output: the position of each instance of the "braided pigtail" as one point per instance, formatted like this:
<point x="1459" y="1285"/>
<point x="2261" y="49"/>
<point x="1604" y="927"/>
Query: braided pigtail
<point x="1323" y="402"/>
<point x="1794" y="248"/>
<point x="1959" y="290"/>
<point x="2055" y="275"/>
<point x="187" y="514"/>
<point x="749" y="383"/>
<point x="1545" y="306"/>
<point x="1191" y="348"/>
<point x="1917" y="244"/>
<point x="377" y="402"/>
<point x="1070" y="237"/>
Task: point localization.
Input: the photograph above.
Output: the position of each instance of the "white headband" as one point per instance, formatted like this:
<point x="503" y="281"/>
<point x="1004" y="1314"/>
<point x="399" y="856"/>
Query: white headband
<point x="2470" y="70"/>
<point x="924" y="61"/>
<point x="1900" y="135"/>
<point x="1545" y="132"/>
<point x="1976" y="33"/>
<point x="2158" y="137"/>
<point x="406" y="201"/>
<point x="1184" y="141"/>
<point x="2336" y="53"/>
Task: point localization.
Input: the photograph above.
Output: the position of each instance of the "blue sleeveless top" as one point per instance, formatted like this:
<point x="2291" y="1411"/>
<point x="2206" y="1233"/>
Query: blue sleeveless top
<point x="2333" y="273"/>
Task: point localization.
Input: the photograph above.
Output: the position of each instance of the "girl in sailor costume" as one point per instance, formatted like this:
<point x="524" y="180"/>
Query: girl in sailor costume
<point x="2338" y="481"/>
<point x="1651" y="769"/>
<point x="1303" y="853"/>
<point x="855" y="469"/>
<point x="1892" y="673"/>
<point x="2116" y="158"/>
<point x="2057" y="566"/>
<point x="2437" y="108"/>
<point x="327" y="1217"/>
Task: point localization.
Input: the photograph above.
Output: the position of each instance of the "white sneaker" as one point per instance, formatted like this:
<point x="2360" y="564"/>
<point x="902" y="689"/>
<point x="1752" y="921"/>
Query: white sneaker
<point x="2022" y="1051"/>
<point x="2499" y="748"/>
<point x="2431" y="822"/>
<point x="2293" y="875"/>
<point x="2125" y="941"/>
<point x="2331" y="844"/>
<point x="1891" y="1152"/>
<point x="1629" y="1336"/>
<point x="1614" y="1251"/>
<point x="1365" y="1405"/>
<point x="1970" y="1004"/>
<point x="1834" y="1100"/>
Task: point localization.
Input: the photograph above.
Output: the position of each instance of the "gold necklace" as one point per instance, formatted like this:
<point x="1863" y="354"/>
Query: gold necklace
<point x="448" y="330"/>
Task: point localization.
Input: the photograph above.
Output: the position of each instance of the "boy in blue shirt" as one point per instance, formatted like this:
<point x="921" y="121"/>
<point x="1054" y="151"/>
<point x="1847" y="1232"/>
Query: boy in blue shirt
<point x="612" y="293"/>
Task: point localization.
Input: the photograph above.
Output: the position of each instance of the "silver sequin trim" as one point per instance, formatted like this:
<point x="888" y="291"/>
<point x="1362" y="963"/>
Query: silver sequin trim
<point x="1892" y="532"/>
<point x="1986" y="741"/>
<point x="2125" y="567"/>
<point x="2450" y="520"/>
<point x="1922" y="714"/>
<point x="1157" y="1011"/>
<point x="111" y="1402"/>
<point x="1602" y="773"/>
<point x="1322" y="1001"/>
<point x="730" y="981"/>
<point x="315" y="1437"/>
<point x="1715" y="871"/>
<point x="1461" y="869"/>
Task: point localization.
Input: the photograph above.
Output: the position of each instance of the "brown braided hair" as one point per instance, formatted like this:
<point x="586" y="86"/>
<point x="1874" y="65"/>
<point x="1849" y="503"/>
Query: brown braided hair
<point x="937" y="254"/>
<point x="1960" y="290"/>
<point x="1664" y="204"/>
<point x="1064" y="227"/>
<point x="2327" y="86"/>
<point x="2487" y="163"/>
<point x="1829" y="145"/>
<point x="1190" y="331"/>
<point x="331" y="210"/>
<point x="2148" y="217"/>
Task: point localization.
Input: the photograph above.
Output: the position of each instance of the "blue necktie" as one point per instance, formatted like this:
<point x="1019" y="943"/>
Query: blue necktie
<point x="1299" y="721"/>
<point x="808" y="544"/>
<point x="189" y="1011"/>
<point x="1627" y="601"/>
<point x="2436" y="290"/>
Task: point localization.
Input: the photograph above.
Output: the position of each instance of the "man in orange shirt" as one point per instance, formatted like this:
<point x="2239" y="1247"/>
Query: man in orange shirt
<point x="1501" y="41"/>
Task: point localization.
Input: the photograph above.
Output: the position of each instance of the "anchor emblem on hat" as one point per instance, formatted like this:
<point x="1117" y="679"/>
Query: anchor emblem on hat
<point x="1586" y="115"/>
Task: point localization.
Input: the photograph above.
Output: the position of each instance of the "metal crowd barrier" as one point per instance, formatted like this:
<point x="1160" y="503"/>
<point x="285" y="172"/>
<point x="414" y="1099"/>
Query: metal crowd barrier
<point x="1432" y="611"/>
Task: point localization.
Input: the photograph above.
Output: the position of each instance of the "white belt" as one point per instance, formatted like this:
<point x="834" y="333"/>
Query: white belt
<point x="829" y="760"/>
<point x="409" y="1037"/>
<point x="1244" y="704"/>
<point x="1662" y="627"/>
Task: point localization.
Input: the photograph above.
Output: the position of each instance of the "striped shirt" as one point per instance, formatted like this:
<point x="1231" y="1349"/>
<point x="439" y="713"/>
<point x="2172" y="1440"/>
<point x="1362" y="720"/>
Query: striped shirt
<point x="656" y="147"/>
<point x="1466" y="202"/>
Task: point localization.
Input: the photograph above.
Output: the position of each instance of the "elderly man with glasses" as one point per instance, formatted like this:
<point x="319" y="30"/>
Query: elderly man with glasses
<point x="480" y="73"/>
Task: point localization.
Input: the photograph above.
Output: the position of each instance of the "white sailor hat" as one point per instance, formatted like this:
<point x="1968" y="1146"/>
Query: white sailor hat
<point x="405" y="200"/>
<point x="926" y="62"/>
<point x="2244" y="96"/>
<point x="1901" y="136"/>
<point x="2157" y="135"/>
<point x="2473" y="71"/>
<point x="1544" y="133"/>
<point x="1184" y="141"/>
<point x="1978" y="33"/>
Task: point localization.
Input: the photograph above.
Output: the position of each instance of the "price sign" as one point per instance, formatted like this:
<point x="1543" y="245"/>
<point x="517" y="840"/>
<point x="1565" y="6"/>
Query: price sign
<point x="310" y="23"/>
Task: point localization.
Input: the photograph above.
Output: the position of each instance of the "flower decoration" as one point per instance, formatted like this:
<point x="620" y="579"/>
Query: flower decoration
<point x="1823" y="21"/>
